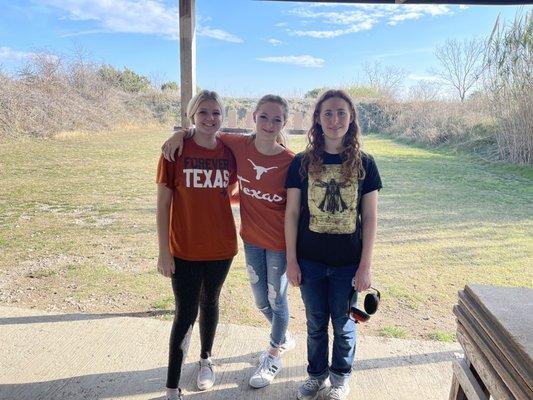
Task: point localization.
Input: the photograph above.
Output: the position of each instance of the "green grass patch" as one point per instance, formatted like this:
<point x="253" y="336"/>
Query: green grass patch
<point x="86" y="205"/>
<point x="442" y="336"/>
<point x="41" y="273"/>
<point x="165" y="303"/>
<point x="393" y="332"/>
<point x="401" y="293"/>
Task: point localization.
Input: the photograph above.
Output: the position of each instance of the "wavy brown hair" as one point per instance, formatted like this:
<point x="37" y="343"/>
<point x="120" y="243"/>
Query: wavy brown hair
<point x="352" y="165"/>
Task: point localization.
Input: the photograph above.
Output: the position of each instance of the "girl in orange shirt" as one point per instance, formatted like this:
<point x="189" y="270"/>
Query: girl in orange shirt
<point x="193" y="192"/>
<point x="262" y="164"/>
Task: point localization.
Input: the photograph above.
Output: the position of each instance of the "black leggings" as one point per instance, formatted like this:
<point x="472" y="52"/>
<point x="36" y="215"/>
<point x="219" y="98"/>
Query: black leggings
<point x="195" y="283"/>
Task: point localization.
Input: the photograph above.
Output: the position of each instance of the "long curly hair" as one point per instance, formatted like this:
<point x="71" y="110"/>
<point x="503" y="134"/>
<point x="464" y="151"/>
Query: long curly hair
<point x="352" y="165"/>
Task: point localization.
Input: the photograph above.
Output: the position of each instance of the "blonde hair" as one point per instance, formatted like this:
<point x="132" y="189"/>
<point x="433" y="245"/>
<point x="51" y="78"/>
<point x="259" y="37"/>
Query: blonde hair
<point x="194" y="103"/>
<point x="272" y="98"/>
<point x="352" y="163"/>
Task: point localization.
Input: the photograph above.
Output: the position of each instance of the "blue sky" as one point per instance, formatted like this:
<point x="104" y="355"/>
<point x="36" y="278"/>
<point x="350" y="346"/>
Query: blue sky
<point x="244" y="47"/>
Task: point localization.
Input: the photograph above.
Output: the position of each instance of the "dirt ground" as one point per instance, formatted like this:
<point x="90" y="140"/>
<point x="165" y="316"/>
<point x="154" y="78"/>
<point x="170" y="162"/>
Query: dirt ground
<point x="47" y="285"/>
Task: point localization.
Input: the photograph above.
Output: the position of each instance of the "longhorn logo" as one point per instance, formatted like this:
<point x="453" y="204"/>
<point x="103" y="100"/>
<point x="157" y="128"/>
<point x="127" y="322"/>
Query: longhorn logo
<point x="259" y="170"/>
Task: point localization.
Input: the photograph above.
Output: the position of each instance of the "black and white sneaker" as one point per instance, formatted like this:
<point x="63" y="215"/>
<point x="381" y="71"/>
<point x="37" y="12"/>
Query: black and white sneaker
<point x="269" y="366"/>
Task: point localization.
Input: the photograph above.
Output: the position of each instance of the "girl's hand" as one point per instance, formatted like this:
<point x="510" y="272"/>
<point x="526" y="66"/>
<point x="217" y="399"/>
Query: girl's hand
<point x="173" y="143"/>
<point x="294" y="274"/>
<point x="363" y="278"/>
<point x="165" y="264"/>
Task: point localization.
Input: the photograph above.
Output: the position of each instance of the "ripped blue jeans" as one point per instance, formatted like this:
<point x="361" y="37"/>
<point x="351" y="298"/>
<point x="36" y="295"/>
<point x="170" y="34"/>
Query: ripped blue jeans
<point x="268" y="279"/>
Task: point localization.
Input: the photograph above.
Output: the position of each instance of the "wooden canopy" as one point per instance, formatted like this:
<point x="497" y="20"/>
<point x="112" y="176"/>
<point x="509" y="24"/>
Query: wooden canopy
<point x="450" y="2"/>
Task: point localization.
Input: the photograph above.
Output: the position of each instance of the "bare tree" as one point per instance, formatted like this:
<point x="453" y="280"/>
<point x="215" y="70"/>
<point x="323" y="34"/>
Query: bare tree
<point x="386" y="79"/>
<point x="424" y="91"/>
<point x="461" y="64"/>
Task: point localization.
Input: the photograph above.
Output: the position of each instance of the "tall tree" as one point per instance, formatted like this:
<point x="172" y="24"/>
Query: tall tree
<point x="384" y="79"/>
<point x="461" y="64"/>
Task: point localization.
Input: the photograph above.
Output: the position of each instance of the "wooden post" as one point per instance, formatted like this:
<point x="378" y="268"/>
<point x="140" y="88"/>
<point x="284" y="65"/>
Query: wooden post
<point x="297" y="120"/>
<point x="232" y="118"/>
<point x="187" y="55"/>
<point x="249" y="120"/>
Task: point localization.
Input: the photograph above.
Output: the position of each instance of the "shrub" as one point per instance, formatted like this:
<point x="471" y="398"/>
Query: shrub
<point x="49" y="96"/>
<point x="127" y="80"/>
<point x="170" y="85"/>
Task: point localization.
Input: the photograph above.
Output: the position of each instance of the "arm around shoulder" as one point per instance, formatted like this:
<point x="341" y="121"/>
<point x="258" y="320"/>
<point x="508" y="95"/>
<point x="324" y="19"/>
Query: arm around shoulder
<point x="175" y="143"/>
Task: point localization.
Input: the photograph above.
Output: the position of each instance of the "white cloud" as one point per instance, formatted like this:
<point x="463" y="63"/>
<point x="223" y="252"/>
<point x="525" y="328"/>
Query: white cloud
<point x="418" y="11"/>
<point x="81" y="33"/>
<point x="303" y="61"/>
<point x="432" y="9"/>
<point x="201" y="19"/>
<point x="338" y="32"/>
<point x="274" y="42"/>
<point x="14" y="57"/>
<point x="143" y="16"/>
<point x="402" y="17"/>
<point x="359" y="17"/>
<point x="7" y="53"/>
<point x="336" y="18"/>
<point x="320" y="34"/>
<point x="218" y="34"/>
<point x="150" y="17"/>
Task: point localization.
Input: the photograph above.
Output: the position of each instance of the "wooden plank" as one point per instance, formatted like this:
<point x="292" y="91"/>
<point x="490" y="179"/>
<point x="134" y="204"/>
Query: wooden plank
<point x="489" y="376"/>
<point x="456" y="392"/>
<point x="499" y="345"/>
<point x="508" y="328"/>
<point x="468" y="382"/>
<point x="510" y="312"/>
<point x="187" y="55"/>
<point x="501" y="365"/>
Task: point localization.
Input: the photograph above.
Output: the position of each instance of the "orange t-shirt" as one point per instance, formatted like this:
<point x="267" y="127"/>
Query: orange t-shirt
<point x="262" y="192"/>
<point x="201" y="221"/>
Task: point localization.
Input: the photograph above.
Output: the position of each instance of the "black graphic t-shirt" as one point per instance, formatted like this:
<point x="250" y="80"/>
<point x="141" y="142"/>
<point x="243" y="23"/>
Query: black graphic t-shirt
<point x="329" y="230"/>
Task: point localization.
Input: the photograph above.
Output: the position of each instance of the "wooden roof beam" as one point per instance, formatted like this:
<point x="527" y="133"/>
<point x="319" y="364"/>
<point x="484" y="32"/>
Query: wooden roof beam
<point x="450" y="2"/>
<point x="187" y="55"/>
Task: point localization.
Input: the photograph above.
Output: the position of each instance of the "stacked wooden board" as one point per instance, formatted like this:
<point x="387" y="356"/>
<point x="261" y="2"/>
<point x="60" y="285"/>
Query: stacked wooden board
<point x="495" y="329"/>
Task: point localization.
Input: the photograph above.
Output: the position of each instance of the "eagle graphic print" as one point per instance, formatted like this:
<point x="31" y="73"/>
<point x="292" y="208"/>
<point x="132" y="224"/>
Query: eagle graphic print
<point x="332" y="202"/>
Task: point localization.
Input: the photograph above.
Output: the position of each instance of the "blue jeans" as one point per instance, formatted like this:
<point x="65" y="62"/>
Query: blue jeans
<point x="268" y="278"/>
<point x="325" y="290"/>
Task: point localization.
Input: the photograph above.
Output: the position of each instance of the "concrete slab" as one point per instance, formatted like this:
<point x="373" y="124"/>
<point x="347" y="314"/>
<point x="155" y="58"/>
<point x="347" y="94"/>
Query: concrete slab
<point x="109" y="356"/>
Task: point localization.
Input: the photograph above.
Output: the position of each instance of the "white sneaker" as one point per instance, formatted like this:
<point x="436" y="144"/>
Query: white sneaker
<point x="338" y="393"/>
<point x="288" y="344"/>
<point x="206" y="374"/>
<point x="175" y="395"/>
<point x="266" y="371"/>
<point x="312" y="388"/>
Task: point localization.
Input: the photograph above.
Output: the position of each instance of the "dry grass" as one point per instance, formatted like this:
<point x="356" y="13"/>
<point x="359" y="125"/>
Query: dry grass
<point x="77" y="231"/>
<point x="51" y="95"/>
